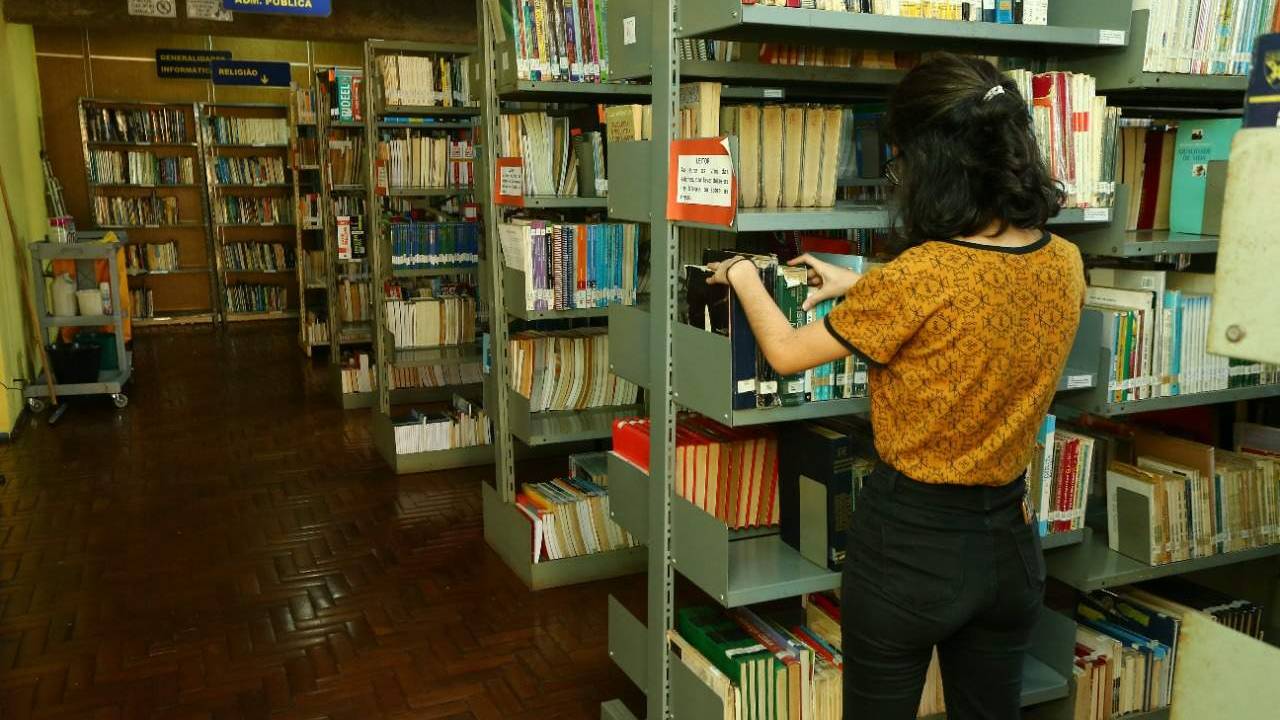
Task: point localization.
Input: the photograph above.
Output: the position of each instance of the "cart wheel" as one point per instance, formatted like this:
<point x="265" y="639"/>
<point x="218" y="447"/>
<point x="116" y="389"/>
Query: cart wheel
<point x="36" y="405"/>
<point x="120" y="399"/>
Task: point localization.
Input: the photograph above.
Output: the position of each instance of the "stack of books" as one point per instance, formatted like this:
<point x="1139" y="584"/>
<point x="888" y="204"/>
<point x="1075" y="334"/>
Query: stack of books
<point x="1205" y="37"/>
<point x="253" y="210"/>
<point x="315" y="331"/>
<point x="418" y="161"/>
<point x="256" y="256"/>
<point x="357" y="373"/>
<point x="562" y="40"/>
<point x="556" y="161"/>
<point x="568" y="265"/>
<point x="570" y="515"/>
<point x="430" y="245"/>
<point x="249" y="131"/>
<point x="346" y="158"/>
<point x="304" y="106"/>
<point x="112" y="167"/>
<point x="462" y="426"/>
<point x="433" y="376"/>
<point x="1155" y="325"/>
<point x="567" y="370"/>
<point x="424" y="81"/>
<point x="136" y="125"/>
<point x="1060" y="477"/>
<point x="251" y="297"/>
<point x="308" y="151"/>
<point x="730" y="473"/>
<point x="709" y="50"/>
<point x="249" y="170"/>
<point x="821" y="468"/>
<point x="151" y="257"/>
<point x="136" y="211"/>
<point x="432" y="321"/>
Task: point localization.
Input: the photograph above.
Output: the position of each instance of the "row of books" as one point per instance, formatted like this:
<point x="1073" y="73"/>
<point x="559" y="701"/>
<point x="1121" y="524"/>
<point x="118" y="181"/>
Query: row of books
<point x="1076" y="131"/>
<point x="818" y="56"/>
<point x="1205" y="37"/>
<point x="346" y="158"/>
<point x="1005" y="12"/>
<point x="339" y="92"/>
<point x="415" y="161"/>
<point x="788" y="155"/>
<point x="569" y="265"/>
<point x="304" y="105"/>
<point x="151" y="257"/>
<point x="248" y="131"/>
<point x="155" y="210"/>
<point x="570" y="515"/>
<point x="1171" y="499"/>
<point x="730" y="473"/>
<point x="309" y="213"/>
<point x="253" y="210"/>
<point x="1155" y="327"/>
<point x="761" y="668"/>
<point x="432" y="322"/>
<point x="714" y="308"/>
<point x="113" y="167"/>
<point x="564" y="40"/>
<point x="430" y="80"/>
<point x="141" y="303"/>
<point x="136" y="125"/>
<point x="434" y="376"/>
<point x="357" y="373"/>
<point x="354" y="300"/>
<point x="462" y="426"/>
<point x="307" y="152"/>
<point x="706" y="49"/>
<point x="1176" y="171"/>
<point x="249" y="170"/>
<point x="559" y="160"/>
<point x="253" y="297"/>
<point x="566" y="370"/>
<point x="1128" y="641"/>
<point x="1060" y="476"/>
<point x="315" y="330"/>
<point x="430" y="245"/>
<point x="258" y="256"/>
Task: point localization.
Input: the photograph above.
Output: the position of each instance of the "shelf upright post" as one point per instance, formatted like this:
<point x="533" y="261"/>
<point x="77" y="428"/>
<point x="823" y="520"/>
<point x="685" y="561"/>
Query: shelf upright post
<point x="663" y="255"/>
<point x="499" y="328"/>
<point x="379" y="263"/>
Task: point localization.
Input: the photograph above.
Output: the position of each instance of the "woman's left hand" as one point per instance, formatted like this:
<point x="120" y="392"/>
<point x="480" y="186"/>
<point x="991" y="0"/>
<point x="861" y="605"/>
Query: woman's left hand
<point x="721" y="269"/>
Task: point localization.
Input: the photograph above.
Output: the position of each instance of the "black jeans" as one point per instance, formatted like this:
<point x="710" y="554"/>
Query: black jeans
<point x="938" y="565"/>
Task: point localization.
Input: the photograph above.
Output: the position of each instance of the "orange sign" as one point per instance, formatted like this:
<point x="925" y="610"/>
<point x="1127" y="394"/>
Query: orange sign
<point x="703" y="185"/>
<point x="508" y="182"/>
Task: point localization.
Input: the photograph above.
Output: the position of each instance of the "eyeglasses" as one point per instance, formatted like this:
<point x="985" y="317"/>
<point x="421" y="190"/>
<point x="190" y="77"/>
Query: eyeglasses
<point x="889" y="174"/>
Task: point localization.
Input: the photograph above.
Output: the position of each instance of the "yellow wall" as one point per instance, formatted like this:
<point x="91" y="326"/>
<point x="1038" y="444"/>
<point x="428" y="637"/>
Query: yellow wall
<point x="24" y="180"/>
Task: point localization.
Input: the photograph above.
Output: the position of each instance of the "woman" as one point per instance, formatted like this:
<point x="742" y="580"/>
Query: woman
<point x="967" y="332"/>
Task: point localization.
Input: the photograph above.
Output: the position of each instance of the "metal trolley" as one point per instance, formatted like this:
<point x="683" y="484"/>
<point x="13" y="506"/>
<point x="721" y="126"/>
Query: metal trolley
<point x="110" y="382"/>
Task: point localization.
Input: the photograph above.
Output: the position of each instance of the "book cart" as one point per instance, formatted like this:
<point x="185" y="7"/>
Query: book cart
<point x="681" y="367"/>
<point x="227" y="231"/>
<point x="188" y="293"/>
<point x="376" y="119"/>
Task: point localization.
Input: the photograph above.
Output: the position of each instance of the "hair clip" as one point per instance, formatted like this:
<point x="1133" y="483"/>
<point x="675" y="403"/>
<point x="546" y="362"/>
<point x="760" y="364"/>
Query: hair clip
<point x="994" y="91"/>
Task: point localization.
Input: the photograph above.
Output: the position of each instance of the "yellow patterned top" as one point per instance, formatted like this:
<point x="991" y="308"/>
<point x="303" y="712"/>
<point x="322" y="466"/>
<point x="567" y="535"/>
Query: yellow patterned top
<point x="967" y="343"/>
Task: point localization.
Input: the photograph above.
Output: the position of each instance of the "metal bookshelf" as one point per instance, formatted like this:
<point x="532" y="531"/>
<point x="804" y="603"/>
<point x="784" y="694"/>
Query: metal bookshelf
<point x="175" y="289"/>
<point x="313" y="292"/>
<point x="230" y="232"/>
<point x="380" y="263"/>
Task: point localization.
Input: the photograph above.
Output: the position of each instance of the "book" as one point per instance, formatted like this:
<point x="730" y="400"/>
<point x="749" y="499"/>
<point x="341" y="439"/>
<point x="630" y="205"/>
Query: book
<point x="819" y="476"/>
<point x="545" y="143"/>
<point x="1198" y="37"/>
<point x="253" y="210"/>
<point x="461" y="426"/>
<point x="593" y="178"/>
<point x="258" y="257"/>
<point x="571" y="518"/>
<point x="260" y="132"/>
<point x="113" y="167"/>
<point x="1199" y="143"/>
<point x="566" y="370"/>
<point x="256" y="297"/>
<point x="156" y="210"/>
<point x="567" y="266"/>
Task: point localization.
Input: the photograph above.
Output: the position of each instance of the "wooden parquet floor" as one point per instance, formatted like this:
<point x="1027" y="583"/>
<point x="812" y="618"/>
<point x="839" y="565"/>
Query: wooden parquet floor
<point x="232" y="546"/>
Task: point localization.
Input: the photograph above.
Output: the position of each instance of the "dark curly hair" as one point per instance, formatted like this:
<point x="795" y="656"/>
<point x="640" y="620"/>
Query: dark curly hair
<point x="965" y="160"/>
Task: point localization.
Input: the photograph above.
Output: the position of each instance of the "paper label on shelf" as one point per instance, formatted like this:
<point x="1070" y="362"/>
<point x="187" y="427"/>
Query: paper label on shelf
<point x="795" y="386"/>
<point x="769" y="387"/>
<point x="506" y="61"/>
<point x="772" y="92"/>
<point x="702" y="186"/>
<point x="860" y="378"/>
<point x="1111" y="37"/>
<point x="1097" y="214"/>
<point x="1076" y="382"/>
<point x="746" y="386"/>
<point x="629" y="30"/>
<point x="208" y="10"/>
<point x="509" y="184"/>
<point x="154" y="8"/>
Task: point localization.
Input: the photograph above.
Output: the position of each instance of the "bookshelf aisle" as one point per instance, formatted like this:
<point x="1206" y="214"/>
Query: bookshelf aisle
<point x="311" y="258"/>
<point x="428" y="316"/>
<point x="252" y="209"/>
<point x="143" y="166"/>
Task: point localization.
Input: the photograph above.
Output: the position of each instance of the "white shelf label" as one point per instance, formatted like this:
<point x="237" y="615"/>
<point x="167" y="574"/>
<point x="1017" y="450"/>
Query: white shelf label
<point x="154" y="8"/>
<point x="629" y="30"/>
<point x="746" y="386"/>
<point x="511" y="181"/>
<point x="1111" y="37"/>
<point x="795" y="386"/>
<point x="773" y="92"/>
<point x="769" y="387"/>
<point x="1076" y="382"/>
<point x="860" y="378"/>
<point x="1097" y="214"/>
<point x="705" y="180"/>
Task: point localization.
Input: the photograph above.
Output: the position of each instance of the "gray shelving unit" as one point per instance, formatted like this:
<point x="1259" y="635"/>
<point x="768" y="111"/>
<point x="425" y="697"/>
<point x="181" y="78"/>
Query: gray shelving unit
<point x="109" y="382"/>
<point x="1093" y="565"/>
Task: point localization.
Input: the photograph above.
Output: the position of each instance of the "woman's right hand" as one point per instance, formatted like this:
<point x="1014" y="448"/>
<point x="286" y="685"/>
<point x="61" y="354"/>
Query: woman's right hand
<point x="831" y="281"/>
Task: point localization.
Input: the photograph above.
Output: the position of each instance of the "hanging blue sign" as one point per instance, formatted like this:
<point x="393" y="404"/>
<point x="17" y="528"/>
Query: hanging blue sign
<point x="180" y="64"/>
<point x="314" y="8"/>
<point x="241" y="72"/>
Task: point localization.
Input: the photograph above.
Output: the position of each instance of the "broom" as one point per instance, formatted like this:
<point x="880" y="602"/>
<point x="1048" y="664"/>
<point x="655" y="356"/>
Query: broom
<point x="24" y="283"/>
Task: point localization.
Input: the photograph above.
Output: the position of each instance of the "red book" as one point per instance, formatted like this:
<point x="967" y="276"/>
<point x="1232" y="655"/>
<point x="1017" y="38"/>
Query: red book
<point x="1152" y="161"/>
<point x="631" y="441"/>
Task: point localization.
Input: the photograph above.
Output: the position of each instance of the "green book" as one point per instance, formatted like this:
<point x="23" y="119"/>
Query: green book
<point x="735" y="653"/>
<point x="790" y="287"/>
<point x="1199" y="142"/>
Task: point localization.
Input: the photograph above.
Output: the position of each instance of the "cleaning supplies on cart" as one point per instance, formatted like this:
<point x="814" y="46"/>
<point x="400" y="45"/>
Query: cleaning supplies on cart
<point x="64" y="295"/>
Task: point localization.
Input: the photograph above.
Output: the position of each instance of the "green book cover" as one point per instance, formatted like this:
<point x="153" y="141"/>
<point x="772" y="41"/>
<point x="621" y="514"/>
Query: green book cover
<point x="735" y="653"/>
<point x="790" y="288"/>
<point x="1198" y="143"/>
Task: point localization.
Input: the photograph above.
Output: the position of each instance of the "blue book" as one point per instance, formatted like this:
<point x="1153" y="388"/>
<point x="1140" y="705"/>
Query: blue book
<point x="1173" y="303"/>
<point x="1198" y="143"/>
<point x="1004" y="12"/>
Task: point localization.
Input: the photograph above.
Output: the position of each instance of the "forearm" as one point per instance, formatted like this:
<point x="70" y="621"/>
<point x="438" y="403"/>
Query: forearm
<point x="789" y="350"/>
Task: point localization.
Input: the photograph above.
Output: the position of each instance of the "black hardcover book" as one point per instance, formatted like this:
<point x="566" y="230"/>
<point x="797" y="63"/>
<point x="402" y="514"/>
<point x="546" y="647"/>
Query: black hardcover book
<point x="819" y="474"/>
